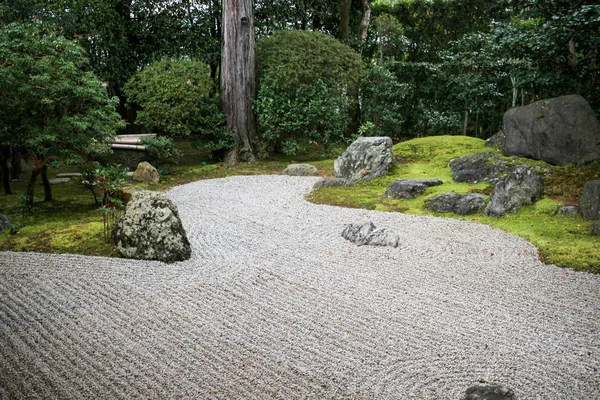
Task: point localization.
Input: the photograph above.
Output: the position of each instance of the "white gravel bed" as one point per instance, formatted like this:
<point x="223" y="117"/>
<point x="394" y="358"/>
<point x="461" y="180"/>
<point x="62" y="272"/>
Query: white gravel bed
<point x="275" y="304"/>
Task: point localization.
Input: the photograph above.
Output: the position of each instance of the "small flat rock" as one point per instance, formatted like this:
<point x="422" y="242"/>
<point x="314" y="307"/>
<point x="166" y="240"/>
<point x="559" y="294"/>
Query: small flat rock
<point x="331" y="182"/>
<point x="68" y="174"/>
<point x="300" y="170"/>
<point x="568" y="211"/>
<point x="489" y="392"/>
<point x="461" y="204"/>
<point x="410" y="188"/>
<point x="55" y="181"/>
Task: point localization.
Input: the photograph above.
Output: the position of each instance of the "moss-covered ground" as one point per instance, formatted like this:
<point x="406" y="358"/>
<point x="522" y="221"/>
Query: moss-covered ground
<point x="72" y="223"/>
<point x="564" y="241"/>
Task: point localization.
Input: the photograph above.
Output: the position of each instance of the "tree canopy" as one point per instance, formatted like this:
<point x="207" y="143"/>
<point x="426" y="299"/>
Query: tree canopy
<point x="50" y="102"/>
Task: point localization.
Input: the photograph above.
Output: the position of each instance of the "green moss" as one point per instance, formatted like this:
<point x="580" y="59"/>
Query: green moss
<point x="562" y="241"/>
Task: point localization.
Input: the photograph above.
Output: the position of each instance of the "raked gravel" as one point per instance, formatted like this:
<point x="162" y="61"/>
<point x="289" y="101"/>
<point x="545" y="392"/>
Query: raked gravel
<point x="275" y="304"/>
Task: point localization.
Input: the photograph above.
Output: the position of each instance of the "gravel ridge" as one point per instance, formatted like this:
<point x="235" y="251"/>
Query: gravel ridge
<point x="275" y="304"/>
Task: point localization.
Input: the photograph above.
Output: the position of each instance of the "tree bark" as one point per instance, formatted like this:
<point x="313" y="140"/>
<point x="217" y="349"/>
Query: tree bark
<point x="238" y="78"/>
<point x="46" y="183"/>
<point x="6" y="169"/>
<point x="345" y="7"/>
<point x="35" y="171"/>
<point x="365" y="20"/>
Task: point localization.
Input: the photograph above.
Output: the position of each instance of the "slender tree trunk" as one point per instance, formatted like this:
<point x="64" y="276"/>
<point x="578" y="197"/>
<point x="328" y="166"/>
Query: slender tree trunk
<point x="466" y="122"/>
<point x="515" y="88"/>
<point x="6" y="169"/>
<point x="46" y="183"/>
<point x="238" y="78"/>
<point x="16" y="163"/>
<point x="35" y="171"/>
<point x="345" y="7"/>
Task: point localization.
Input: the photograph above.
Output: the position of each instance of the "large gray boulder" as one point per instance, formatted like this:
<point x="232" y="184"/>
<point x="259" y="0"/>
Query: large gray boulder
<point x="559" y="131"/>
<point x="365" y="159"/>
<point x="300" y="170"/>
<point x="522" y="186"/>
<point x="461" y="204"/>
<point x="367" y="234"/>
<point x="410" y="188"/>
<point x="590" y="201"/>
<point x="478" y="167"/>
<point x="150" y="229"/>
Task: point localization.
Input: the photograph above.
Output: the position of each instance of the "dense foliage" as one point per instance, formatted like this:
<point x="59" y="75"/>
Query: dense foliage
<point x="306" y="82"/>
<point x="177" y="98"/>
<point x="50" y="103"/>
<point x="435" y="66"/>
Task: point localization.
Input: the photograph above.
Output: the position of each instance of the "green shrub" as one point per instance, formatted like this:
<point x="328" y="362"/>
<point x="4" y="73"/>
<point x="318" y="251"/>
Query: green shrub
<point x="177" y="98"/>
<point x="161" y="150"/>
<point x="307" y="87"/>
<point x="382" y="97"/>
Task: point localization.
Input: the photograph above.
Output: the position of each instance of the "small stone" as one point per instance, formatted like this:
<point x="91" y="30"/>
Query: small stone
<point x="300" y="170"/>
<point x="410" y="188"/>
<point x="596" y="228"/>
<point x="331" y="182"/>
<point x="4" y="222"/>
<point x="358" y="233"/>
<point x="590" y="201"/>
<point x="146" y="173"/>
<point x="367" y="234"/>
<point x="489" y="392"/>
<point x="496" y="141"/>
<point x="568" y="211"/>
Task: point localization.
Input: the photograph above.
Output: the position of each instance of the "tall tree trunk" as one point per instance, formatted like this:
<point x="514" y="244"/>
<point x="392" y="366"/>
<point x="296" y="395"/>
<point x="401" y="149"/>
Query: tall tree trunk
<point x="238" y="77"/>
<point x="345" y="7"/>
<point x="46" y="183"/>
<point x="365" y="20"/>
<point x="466" y="122"/>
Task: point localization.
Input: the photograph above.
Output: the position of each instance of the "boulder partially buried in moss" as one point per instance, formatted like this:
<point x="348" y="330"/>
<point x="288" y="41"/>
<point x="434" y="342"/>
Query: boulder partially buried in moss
<point x="150" y="229"/>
